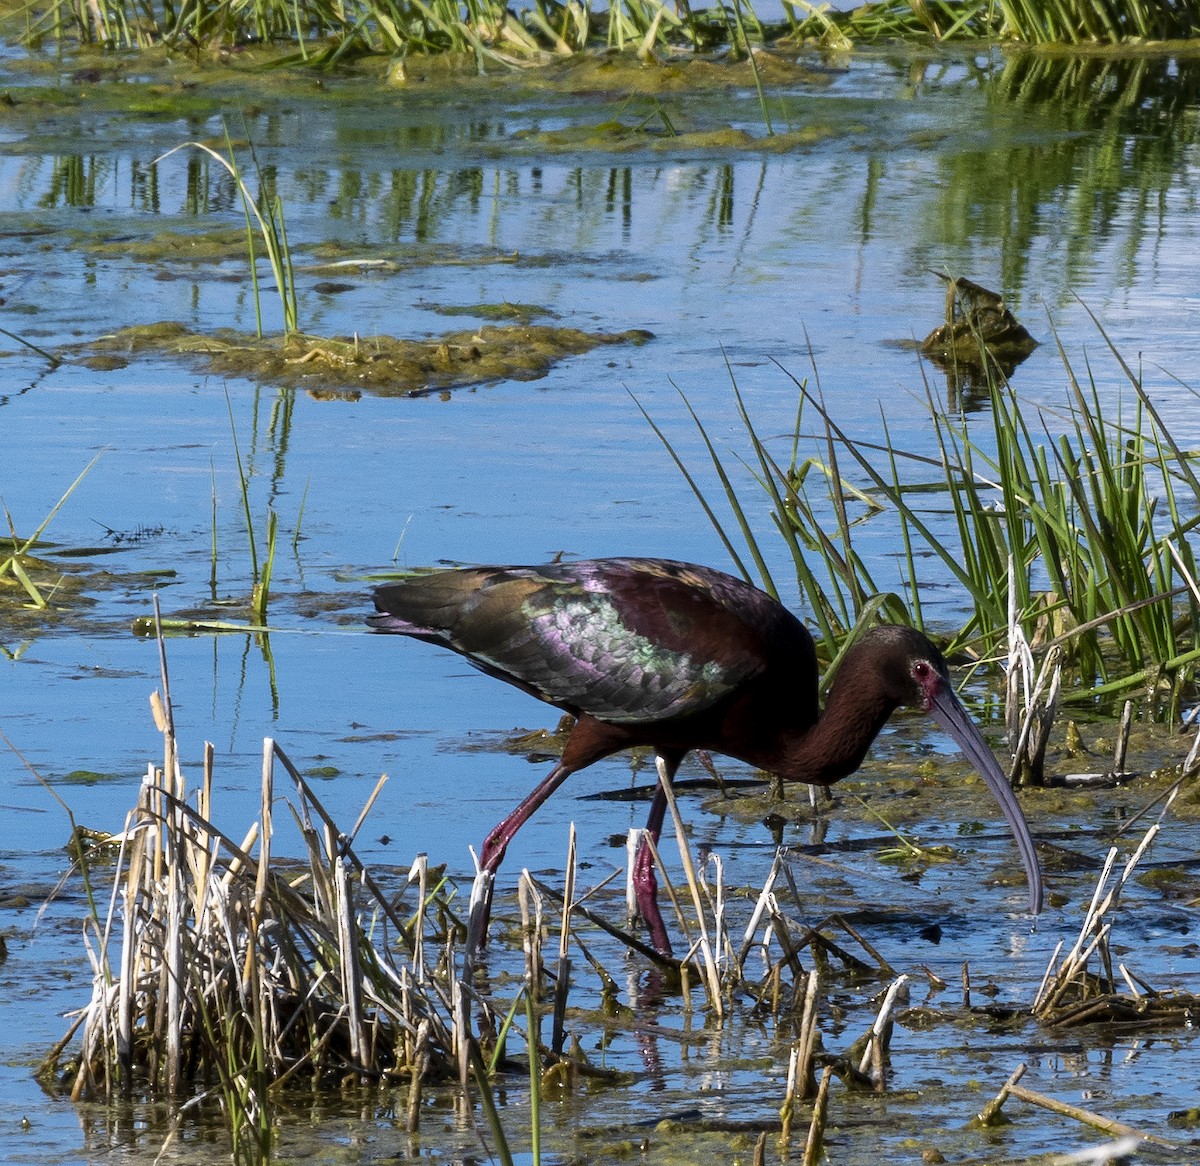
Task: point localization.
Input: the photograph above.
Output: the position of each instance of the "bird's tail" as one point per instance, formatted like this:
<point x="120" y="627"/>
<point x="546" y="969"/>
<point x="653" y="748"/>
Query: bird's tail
<point x="383" y="621"/>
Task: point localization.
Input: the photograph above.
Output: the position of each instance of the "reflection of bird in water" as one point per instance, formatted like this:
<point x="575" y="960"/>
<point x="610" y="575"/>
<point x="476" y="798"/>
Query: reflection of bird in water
<point x="679" y="657"/>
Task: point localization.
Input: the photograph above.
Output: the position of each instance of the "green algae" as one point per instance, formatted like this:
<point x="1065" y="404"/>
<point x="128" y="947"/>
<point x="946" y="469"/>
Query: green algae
<point x="348" y="366"/>
<point x="519" y="313"/>
<point x="171" y="246"/>
<point x="620" y="136"/>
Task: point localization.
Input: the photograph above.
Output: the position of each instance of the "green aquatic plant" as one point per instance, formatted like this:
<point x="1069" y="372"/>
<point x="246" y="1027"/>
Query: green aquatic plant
<point x="1098" y="21"/>
<point x="266" y="212"/>
<point x="1041" y="22"/>
<point x="1075" y="521"/>
<point x="260" y="571"/>
<point x="16" y="566"/>
<point x="490" y="33"/>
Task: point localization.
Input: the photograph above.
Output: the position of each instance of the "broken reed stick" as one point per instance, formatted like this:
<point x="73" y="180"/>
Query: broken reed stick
<point x="790" y="1096"/>
<point x="716" y="901"/>
<point x="807" y="1045"/>
<point x="879" y="1037"/>
<point x="711" y="974"/>
<point x="1052" y="992"/>
<point x="1122" y="748"/>
<point x="989" y="1113"/>
<point x="760" y="1150"/>
<point x="759" y="907"/>
<point x="1030" y="749"/>
<point x="816" y="1130"/>
<point x="633" y="843"/>
<point x="779" y="926"/>
<point x="630" y="941"/>
<point x="563" y="980"/>
<point x="531" y="931"/>
<point x="1010" y="1088"/>
<point x="420" y="1063"/>
<point x="1192" y="762"/>
<point x="419" y="871"/>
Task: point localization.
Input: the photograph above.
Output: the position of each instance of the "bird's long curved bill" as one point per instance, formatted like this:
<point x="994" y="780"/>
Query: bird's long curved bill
<point x="957" y="722"/>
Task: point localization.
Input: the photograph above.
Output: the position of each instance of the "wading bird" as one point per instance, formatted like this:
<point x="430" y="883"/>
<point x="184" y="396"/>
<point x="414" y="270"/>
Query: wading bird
<point x="679" y="657"/>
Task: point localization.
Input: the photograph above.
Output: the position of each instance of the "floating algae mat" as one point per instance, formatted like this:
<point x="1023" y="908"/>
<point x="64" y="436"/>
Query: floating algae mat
<point x="381" y="365"/>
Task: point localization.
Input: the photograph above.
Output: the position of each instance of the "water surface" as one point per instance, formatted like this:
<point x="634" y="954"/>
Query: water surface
<point x="1069" y="187"/>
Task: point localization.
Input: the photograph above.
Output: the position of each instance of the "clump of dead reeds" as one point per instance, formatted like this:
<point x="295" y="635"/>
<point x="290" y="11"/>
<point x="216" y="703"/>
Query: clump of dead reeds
<point x="1086" y="986"/>
<point x="219" y="967"/>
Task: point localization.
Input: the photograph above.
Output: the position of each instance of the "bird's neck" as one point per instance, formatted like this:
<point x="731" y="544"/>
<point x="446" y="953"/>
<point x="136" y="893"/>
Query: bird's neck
<point x="835" y="746"/>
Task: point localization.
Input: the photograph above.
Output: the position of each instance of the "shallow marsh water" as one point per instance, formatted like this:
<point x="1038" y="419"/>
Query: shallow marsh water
<point x="1050" y="181"/>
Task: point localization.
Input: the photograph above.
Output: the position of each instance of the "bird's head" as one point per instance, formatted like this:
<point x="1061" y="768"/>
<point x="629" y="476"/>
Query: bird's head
<point x="914" y="672"/>
<point x="908" y="664"/>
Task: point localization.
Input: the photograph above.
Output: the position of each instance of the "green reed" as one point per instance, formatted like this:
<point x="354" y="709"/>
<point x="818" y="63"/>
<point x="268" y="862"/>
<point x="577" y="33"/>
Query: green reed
<point x="1066" y="22"/>
<point x="264" y="212"/>
<point x="1098" y="21"/>
<point x="326" y="33"/>
<point x="1080" y="518"/>
<point x="19" y="560"/>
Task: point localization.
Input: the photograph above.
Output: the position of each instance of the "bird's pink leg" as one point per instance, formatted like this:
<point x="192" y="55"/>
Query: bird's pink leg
<point x="492" y="853"/>
<point x="645" y="881"/>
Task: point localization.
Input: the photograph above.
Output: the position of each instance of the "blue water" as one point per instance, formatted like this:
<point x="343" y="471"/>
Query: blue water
<point x="749" y="258"/>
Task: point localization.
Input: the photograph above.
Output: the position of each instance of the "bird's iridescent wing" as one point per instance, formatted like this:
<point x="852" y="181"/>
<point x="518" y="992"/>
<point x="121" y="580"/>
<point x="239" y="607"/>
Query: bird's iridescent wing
<point x="629" y="641"/>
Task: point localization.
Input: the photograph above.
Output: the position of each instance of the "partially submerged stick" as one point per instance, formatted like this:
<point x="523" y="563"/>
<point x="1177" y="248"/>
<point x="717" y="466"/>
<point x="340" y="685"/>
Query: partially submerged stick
<point x="1011" y="1089"/>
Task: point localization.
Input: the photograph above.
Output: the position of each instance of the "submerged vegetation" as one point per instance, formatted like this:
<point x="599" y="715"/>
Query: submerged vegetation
<point x="352" y="365"/>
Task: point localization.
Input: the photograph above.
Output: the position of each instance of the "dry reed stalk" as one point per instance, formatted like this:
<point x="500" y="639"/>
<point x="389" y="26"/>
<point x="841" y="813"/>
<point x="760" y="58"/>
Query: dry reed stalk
<point x="562" y="982"/>
<point x="1094" y="933"/>
<point x="816" y="1130"/>
<point x="807" y="1045"/>
<point x="790" y="1097"/>
<point x="712" y="975"/>
<point x="879" y="1038"/>
<point x="531" y="931"/>
<point x="419" y="871"/>
<point x="217" y="948"/>
<point x="1191" y="763"/>
<point x="1122" y="746"/>
<point x="716" y="900"/>
<point x="420" y="1064"/>
<point x="885" y="968"/>
<point x="633" y="843"/>
<point x="760" y="906"/>
<point x="478" y="909"/>
<point x="1030" y="728"/>
<point x="989" y="1113"/>
<point x="1011" y="1089"/>
<point x="631" y="941"/>
<point x="782" y="933"/>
